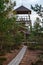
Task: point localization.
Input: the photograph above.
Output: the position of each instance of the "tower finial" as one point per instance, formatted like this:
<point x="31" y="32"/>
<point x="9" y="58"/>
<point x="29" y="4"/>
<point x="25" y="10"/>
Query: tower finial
<point x="22" y="2"/>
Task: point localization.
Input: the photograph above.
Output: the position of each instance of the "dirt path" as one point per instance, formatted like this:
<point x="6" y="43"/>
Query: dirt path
<point x="30" y="56"/>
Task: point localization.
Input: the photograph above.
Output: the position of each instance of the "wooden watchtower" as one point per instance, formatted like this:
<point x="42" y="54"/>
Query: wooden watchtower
<point x="23" y="16"/>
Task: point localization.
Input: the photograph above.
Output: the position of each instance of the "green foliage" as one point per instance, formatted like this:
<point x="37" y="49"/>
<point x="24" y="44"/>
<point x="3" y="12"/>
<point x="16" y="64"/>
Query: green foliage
<point x="9" y="29"/>
<point x="36" y="36"/>
<point x="6" y="1"/>
<point x="37" y="27"/>
<point x="2" y="7"/>
<point x="36" y="8"/>
<point x="18" y="38"/>
<point x="35" y="30"/>
<point x="7" y="25"/>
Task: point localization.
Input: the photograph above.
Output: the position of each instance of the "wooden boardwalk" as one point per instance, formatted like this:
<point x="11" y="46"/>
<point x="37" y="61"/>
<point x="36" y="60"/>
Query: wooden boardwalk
<point x="18" y="58"/>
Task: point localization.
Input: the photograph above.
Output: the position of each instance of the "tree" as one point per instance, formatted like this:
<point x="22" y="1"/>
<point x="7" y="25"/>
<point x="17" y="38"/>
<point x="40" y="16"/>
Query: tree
<point x="9" y="29"/>
<point x="6" y="22"/>
<point x="37" y="25"/>
<point x="39" y="10"/>
<point x="36" y="36"/>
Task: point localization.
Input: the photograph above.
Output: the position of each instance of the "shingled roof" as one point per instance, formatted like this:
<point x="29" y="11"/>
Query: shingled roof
<point x="23" y="10"/>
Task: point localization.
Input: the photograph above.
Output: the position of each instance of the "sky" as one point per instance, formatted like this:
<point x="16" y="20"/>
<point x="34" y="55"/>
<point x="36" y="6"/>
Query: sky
<point x="28" y="3"/>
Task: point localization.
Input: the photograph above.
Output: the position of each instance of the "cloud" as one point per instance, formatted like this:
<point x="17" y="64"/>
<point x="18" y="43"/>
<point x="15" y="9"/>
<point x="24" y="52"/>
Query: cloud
<point x="26" y="2"/>
<point x="33" y="0"/>
<point x="30" y="1"/>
